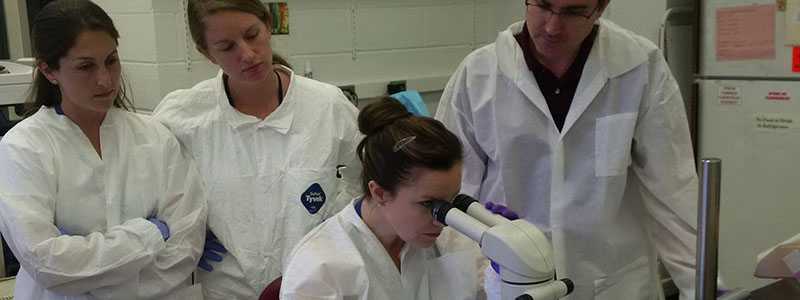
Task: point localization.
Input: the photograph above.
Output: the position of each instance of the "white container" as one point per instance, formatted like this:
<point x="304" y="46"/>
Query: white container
<point x="14" y="86"/>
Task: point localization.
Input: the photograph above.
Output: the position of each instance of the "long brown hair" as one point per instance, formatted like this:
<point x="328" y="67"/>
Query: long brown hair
<point x="396" y="141"/>
<point x="55" y="30"/>
<point x="197" y="10"/>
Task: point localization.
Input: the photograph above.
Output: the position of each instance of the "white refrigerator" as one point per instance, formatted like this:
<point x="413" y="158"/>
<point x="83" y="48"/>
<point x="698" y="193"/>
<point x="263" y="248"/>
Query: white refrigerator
<point x="748" y="115"/>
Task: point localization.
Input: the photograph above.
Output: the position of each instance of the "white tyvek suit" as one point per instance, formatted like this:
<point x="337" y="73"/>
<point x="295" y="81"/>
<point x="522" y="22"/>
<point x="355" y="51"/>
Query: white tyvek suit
<point x="272" y="180"/>
<point x="52" y="179"/>
<point x="343" y="259"/>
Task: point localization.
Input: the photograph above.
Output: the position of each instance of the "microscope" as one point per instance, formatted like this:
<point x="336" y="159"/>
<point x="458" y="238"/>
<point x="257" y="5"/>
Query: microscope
<point x="520" y="249"/>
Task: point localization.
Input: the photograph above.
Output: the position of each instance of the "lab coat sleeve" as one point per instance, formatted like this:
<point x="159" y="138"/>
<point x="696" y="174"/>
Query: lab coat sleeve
<point x="173" y="113"/>
<point x="64" y="264"/>
<point x="663" y="161"/>
<point x="455" y="112"/>
<point x="307" y="277"/>
<point x="183" y="208"/>
<point x="350" y="181"/>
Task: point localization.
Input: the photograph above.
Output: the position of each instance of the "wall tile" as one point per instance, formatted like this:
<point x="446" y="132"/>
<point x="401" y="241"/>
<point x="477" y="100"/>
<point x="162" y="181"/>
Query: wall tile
<point x="390" y="28"/>
<point x="137" y="36"/>
<point x="320" y="31"/>
<point x="449" y="25"/>
<point x="421" y="41"/>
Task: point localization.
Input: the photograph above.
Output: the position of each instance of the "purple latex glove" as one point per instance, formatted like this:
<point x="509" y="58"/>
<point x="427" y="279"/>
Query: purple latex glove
<point x="162" y="227"/>
<point x="502" y="210"/>
<point x="213" y="251"/>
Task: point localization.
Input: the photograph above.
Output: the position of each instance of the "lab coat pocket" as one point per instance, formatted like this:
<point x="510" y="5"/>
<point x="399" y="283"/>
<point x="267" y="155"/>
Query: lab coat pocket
<point x="453" y="276"/>
<point x="630" y="282"/>
<point x="613" y="139"/>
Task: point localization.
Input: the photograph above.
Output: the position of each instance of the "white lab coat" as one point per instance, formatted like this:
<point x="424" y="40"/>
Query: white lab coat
<point x="614" y="189"/>
<point x="51" y="177"/>
<point x="261" y="172"/>
<point x="343" y="259"/>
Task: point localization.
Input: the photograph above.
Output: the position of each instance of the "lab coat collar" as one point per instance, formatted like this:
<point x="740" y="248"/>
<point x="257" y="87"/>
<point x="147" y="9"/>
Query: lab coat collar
<point x="280" y="120"/>
<point x="55" y="112"/>
<point x="352" y="217"/>
<point x="68" y="129"/>
<point x="615" y="52"/>
<point x="620" y="50"/>
<point x="511" y="62"/>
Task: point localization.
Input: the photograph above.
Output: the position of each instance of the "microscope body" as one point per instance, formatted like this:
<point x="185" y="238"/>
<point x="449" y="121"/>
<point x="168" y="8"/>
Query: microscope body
<point x="522" y="251"/>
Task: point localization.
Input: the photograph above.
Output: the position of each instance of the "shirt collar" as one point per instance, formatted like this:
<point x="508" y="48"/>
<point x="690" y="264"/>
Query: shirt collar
<point x="280" y="120"/>
<point x="574" y="72"/>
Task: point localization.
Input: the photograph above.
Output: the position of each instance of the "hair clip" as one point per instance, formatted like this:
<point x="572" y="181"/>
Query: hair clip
<point x="403" y="142"/>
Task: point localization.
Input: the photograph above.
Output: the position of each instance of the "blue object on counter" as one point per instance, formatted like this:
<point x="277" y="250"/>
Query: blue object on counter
<point x="413" y="102"/>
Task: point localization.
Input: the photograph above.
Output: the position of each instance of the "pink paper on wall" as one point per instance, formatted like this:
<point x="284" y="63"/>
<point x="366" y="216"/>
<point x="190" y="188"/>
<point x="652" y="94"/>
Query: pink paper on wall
<point x="746" y="32"/>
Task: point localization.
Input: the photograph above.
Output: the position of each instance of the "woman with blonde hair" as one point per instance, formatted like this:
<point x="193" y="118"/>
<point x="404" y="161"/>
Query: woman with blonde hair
<point x="277" y="150"/>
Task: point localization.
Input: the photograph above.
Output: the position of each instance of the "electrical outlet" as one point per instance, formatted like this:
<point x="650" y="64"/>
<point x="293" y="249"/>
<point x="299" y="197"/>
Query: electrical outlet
<point x="396" y="87"/>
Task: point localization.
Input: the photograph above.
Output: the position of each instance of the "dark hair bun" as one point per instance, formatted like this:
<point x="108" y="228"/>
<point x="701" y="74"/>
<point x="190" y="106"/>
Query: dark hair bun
<point x="376" y="116"/>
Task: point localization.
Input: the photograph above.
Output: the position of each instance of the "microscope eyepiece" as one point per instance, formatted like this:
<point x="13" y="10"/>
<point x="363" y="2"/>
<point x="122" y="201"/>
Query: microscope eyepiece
<point x="462" y="202"/>
<point x="439" y="210"/>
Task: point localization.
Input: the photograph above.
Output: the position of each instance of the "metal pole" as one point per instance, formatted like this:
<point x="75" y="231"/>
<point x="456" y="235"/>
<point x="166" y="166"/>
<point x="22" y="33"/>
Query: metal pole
<point x="2" y="260"/>
<point x="708" y="229"/>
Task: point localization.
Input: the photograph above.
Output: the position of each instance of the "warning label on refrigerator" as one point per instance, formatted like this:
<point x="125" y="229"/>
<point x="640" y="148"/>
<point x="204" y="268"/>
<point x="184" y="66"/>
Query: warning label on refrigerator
<point x="778" y="96"/>
<point x="796" y="59"/>
<point x="730" y="95"/>
<point x="775" y="122"/>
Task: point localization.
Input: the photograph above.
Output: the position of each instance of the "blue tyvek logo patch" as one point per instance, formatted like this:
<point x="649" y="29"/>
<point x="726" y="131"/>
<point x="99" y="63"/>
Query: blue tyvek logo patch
<point x="313" y="198"/>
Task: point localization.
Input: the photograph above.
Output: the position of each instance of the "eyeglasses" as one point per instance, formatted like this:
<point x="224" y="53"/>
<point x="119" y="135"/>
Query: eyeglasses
<point x="566" y="15"/>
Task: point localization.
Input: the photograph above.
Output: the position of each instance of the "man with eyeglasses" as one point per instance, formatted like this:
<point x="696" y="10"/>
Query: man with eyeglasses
<point x="579" y="126"/>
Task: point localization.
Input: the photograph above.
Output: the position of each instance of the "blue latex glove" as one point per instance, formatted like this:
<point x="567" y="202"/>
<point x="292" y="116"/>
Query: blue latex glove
<point x="413" y="102"/>
<point x="212" y="251"/>
<point x="504" y="211"/>
<point x="62" y="231"/>
<point x="162" y="227"/>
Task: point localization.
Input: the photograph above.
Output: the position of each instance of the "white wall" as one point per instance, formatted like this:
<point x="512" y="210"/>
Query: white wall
<point x="367" y="43"/>
<point x="507" y="12"/>
<point x="363" y="42"/>
<point x="640" y="16"/>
